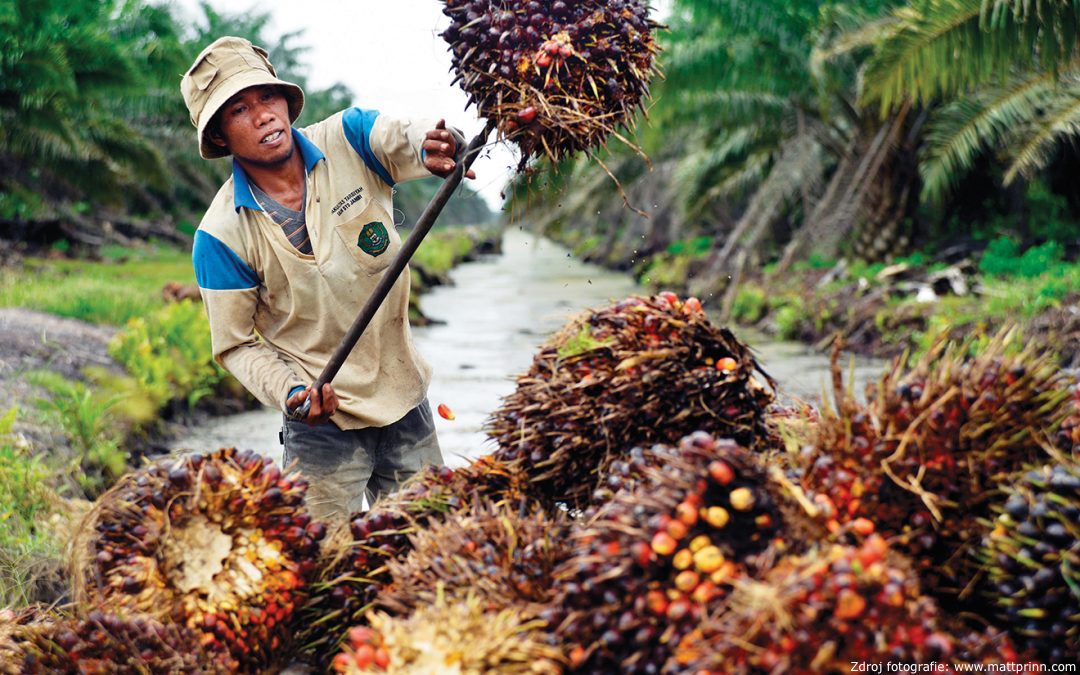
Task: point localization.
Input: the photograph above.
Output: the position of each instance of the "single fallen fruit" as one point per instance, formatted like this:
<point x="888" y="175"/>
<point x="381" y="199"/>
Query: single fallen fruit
<point x="445" y="412"/>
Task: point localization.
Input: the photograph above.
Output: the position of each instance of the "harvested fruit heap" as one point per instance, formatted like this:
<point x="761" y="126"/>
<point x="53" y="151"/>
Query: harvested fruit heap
<point x="924" y="458"/>
<point x="653" y="561"/>
<point x="1033" y="561"/>
<point x="221" y="544"/>
<point x="498" y="553"/>
<point x="819" y="613"/>
<point x="354" y="566"/>
<point x="38" y="642"/>
<point x="557" y="77"/>
<point x="462" y="637"/>
<point x="1068" y="437"/>
<point x="642" y="371"/>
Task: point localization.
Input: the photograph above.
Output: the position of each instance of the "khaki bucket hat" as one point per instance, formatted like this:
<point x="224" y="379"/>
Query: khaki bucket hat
<point x="225" y="68"/>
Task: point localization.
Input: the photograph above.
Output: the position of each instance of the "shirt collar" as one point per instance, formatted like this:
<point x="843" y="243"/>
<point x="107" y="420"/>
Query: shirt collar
<point x="242" y="195"/>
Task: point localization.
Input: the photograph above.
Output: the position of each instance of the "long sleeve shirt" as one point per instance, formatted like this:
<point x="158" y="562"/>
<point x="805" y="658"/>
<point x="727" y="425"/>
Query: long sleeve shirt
<point x="277" y="314"/>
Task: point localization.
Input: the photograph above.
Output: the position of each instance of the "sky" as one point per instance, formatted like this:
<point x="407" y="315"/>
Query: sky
<point x="390" y="54"/>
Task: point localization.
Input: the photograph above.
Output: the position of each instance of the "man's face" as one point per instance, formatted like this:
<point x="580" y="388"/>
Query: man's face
<point x="255" y="126"/>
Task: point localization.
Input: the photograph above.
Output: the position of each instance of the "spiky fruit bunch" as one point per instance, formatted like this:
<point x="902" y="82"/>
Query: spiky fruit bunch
<point x="652" y="561"/>
<point x="1068" y="436"/>
<point x="818" y="613"/>
<point x="502" y="555"/>
<point x="1033" y="561"/>
<point x="556" y="77"/>
<point x="221" y="543"/>
<point x="354" y="567"/>
<point x="642" y="371"/>
<point x="924" y="457"/>
<point x="37" y="642"/>
<point x="464" y="635"/>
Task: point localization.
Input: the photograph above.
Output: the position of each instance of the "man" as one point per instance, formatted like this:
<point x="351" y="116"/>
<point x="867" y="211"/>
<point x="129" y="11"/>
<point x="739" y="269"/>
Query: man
<point x="288" y="252"/>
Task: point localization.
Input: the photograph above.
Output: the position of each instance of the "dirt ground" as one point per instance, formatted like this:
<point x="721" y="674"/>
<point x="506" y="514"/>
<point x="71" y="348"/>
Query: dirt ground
<point x="31" y="341"/>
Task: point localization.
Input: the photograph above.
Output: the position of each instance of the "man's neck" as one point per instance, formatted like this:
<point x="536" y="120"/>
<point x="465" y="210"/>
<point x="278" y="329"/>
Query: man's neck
<point x="284" y="182"/>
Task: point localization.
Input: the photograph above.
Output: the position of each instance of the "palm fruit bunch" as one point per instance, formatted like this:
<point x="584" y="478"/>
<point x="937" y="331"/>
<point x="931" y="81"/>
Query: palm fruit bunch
<point x="220" y="543"/>
<point x="1032" y="557"/>
<point x="462" y="636"/>
<point x="37" y="641"/>
<point x="819" y="613"/>
<point x="1068" y="436"/>
<point x="556" y="77"/>
<point x="924" y="457"/>
<point x="639" y="372"/>
<point x="354" y="566"/>
<point x="654" y="560"/>
<point x="503" y="555"/>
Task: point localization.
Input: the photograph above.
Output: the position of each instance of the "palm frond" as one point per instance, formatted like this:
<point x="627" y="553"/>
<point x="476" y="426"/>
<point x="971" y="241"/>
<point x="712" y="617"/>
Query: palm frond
<point x="947" y="47"/>
<point x="1060" y="122"/>
<point x="960" y="131"/>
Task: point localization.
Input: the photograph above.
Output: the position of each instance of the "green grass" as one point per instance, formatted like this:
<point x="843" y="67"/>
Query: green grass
<point x="27" y="496"/>
<point x="442" y="249"/>
<point x="112" y="291"/>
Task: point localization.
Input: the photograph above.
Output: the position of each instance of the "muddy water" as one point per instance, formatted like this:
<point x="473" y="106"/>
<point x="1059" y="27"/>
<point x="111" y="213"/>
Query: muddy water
<point x="495" y="315"/>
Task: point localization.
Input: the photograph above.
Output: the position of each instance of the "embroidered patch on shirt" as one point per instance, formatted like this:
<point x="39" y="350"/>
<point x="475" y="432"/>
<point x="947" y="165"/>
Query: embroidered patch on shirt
<point x="374" y="239"/>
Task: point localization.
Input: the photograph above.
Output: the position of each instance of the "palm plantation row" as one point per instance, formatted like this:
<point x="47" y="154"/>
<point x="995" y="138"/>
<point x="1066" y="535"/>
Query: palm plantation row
<point x="810" y="130"/>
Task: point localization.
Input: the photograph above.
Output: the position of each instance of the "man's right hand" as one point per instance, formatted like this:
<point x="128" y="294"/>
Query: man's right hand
<point x="322" y="407"/>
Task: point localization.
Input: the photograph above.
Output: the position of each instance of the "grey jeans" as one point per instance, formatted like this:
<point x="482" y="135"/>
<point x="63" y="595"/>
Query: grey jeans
<point x="343" y="467"/>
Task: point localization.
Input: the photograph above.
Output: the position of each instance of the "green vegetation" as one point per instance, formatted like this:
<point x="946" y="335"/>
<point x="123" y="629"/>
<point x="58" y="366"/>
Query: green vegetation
<point x="27" y="496"/>
<point x="803" y="132"/>
<point x="85" y="418"/>
<point x="110" y="292"/>
<point x="93" y="128"/>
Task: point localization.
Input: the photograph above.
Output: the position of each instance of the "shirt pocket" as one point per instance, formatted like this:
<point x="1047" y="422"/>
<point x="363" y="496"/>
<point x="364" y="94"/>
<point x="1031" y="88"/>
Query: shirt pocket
<point x="370" y="239"/>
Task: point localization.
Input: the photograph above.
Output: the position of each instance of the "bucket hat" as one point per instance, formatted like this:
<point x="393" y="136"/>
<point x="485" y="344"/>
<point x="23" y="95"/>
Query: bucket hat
<point x="225" y="68"/>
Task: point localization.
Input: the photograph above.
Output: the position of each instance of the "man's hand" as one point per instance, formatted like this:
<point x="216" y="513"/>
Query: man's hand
<point x="440" y="148"/>
<point x="322" y="407"/>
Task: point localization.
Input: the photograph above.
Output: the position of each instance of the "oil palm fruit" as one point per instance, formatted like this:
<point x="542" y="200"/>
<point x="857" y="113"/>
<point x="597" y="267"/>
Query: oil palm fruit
<point x="653" y="561"/>
<point x="1032" y="555"/>
<point x="639" y="372"/>
<point x="557" y="77"/>
<point x="463" y="636"/>
<point x="354" y="567"/>
<point x="818" y="613"/>
<point x="503" y="555"/>
<point x="924" y="456"/>
<point x="36" y="641"/>
<point x="220" y="543"/>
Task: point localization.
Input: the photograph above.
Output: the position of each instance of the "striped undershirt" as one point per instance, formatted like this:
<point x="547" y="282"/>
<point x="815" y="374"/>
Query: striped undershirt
<point x="292" y="223"/>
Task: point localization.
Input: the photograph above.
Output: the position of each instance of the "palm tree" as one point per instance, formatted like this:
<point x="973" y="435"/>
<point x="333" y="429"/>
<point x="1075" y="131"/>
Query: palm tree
<point x="999" y="74"/>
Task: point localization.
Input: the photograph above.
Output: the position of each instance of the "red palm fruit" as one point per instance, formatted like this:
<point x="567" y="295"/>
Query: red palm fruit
<point x="37" y="641"/>
<point x="203" y="541"/>
<point x="616" y="608"/>
<point x="354" y="569"/>
<point x="643" y="386"/>
<point x="825" y="597"/>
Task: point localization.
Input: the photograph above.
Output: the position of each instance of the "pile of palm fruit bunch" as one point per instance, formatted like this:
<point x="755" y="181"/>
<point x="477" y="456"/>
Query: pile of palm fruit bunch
<point x="221" y="544"/>
<point x="556" y="77"/>
<point x="1032" y="558"/>
<point x="354" y="566"/>
<point x="1068" y="437"/>
<point x="826" y="609"/>
<point x="923" y="458"/>
<point x="639" y="372"/>
<point x="38" y="641"/>
<point x="502" y="554"/>
<point x="958" y="462"/>
<point x="652" y="562"/>
<point x="463" y="636"/>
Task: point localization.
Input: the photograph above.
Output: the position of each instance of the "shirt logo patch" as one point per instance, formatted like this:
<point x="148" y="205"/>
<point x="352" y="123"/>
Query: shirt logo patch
<point x="373" y="239"/>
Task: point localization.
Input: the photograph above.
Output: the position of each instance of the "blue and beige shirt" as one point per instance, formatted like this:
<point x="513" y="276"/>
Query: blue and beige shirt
<point x="277" y="314"/>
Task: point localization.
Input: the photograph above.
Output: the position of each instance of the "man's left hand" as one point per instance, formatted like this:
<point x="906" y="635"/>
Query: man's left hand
<point x="440" y="147"/>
